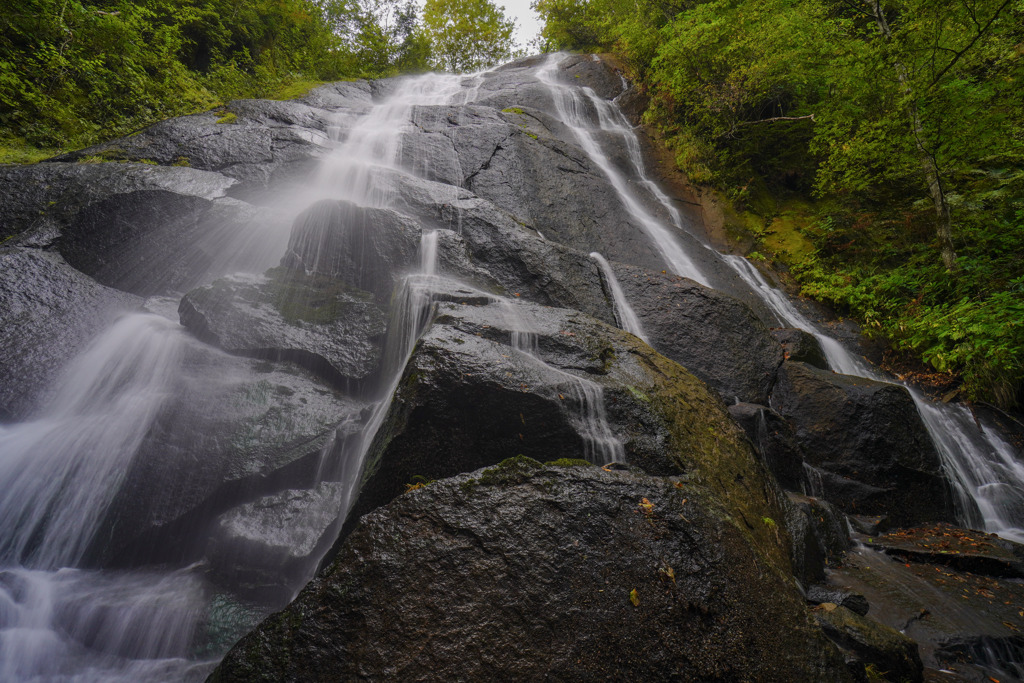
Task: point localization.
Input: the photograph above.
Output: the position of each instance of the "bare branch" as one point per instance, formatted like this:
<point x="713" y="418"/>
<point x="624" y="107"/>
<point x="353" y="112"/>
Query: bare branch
<point x="977" y="36"/>
<point x="776" y="118"/>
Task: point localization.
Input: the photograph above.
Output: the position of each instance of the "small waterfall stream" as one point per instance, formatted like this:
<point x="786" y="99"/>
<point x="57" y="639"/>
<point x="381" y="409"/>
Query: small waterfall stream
<point x="623" y="311"/>
<point x="574" y="106"/>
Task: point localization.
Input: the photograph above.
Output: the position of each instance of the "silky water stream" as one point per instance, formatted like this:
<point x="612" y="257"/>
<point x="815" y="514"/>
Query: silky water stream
<point x="61" y="620"/>
<point x="62" y="469"/>
<point x="987" y="475"/>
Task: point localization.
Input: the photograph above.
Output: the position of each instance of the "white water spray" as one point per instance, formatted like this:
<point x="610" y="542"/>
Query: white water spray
<point x="625" y="313"/>
<point x="571" y="103"/>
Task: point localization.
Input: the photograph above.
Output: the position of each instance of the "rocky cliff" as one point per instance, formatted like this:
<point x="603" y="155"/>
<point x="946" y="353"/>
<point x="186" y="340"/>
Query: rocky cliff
<point x="391" y="314"/>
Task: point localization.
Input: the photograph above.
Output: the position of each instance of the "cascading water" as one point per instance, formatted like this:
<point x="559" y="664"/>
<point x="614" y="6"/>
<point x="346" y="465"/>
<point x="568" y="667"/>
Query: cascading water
<point x="62" y="469"/>
<point x="572" y="106"/>
<point x="988" y="479"/>
<point x="623" y="310"/>
<point x="601" y="446"/>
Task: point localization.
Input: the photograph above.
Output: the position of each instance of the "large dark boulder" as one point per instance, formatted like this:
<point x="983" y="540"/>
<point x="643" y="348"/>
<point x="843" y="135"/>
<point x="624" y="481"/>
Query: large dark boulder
<point x="820" y="537"/>
<point x="868" y="643"/>
<point x="774" y="442"/>
<point x="711" y="334"/>
<point x="530" y="572"/>
<point x="799" y="345"/>
<point x="134" y="241"/>
<point x="40" y="199"/>
<point x="49" y="312"/>
<point x="470" y="398"/>
<point x="867" y="440"/>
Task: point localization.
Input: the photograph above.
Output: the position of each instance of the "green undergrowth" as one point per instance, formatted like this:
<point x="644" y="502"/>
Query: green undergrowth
<point x="881" y="269"/>
<point x="20" y="152"/>
<point x="968" y="324"/>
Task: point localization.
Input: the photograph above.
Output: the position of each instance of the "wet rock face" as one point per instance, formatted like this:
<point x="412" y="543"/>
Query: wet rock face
<point x="868" y="442"/>
<point x="950" y="590"/>
<point x="714" y="336"/>
<point x="274" y="541"/>
<point x="332" y="330"/>
<point x="773" y="441"/>
<point x="124" y="241"/>
<point x="869" y="643"/>
<point x="525" y="572"/>
<point x="819" y="538"/>
<point x="800" y="346"/>
<point x="48" y="313"/>
<point x="469" y="398"/>
<point x="235" y="428"/>
<point x="361" y="247"/>
<point x="595" y="74"/>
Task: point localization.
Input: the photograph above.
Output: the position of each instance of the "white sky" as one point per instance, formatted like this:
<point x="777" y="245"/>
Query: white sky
<point x="527" y="21"/>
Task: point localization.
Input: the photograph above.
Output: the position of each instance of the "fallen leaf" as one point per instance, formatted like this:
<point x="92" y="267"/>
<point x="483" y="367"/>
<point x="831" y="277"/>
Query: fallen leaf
<point x="634" y="598"/>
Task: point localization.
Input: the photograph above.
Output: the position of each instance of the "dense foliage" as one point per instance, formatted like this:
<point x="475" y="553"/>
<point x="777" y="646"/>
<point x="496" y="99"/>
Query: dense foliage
<point x="76" y="71"/>
<point x="901" y="118"/>
<point x="467" y="35"/>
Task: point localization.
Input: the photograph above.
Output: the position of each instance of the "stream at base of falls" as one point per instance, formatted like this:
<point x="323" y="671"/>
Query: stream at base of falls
<point x="63" y="618"/>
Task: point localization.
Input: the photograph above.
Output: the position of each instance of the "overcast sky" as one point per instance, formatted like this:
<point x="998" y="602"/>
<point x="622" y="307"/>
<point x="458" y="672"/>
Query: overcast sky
<point x="527" y="23"/>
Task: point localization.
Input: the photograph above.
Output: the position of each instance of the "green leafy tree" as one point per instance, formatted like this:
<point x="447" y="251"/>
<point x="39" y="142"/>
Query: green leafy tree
<point x="467" y="35"/>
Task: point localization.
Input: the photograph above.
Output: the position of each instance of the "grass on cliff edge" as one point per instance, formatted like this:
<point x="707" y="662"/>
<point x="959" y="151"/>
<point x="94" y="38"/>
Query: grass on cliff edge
<point x="18" y="151"/>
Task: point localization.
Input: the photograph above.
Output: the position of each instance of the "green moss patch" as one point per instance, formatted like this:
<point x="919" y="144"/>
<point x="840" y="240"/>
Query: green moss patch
<point x="569" y="462"/>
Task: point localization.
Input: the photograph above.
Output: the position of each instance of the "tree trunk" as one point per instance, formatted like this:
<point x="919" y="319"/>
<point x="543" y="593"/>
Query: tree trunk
<point x="943" y="220"/>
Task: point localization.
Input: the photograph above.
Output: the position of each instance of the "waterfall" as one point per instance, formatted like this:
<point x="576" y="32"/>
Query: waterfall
<point x="62" y="469"/>
<point x="980" y="465"/>
<point x="571" y="104"/>
<point x="623" y="311"/>
<point x="601" y="446"/>
<point x="62" y="619"/>
<point x="988" y="481"/>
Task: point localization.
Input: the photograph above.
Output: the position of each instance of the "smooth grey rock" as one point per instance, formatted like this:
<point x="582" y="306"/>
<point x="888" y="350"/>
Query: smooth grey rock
<point x="48" y="314"/>
<point x="39" y="195"/>
<point x="361" y="247"/>
<point x="713" y="335"/>
<point x="274" y="543"/>
<point x="332" y="330"/>
<point x="233" y="429"/>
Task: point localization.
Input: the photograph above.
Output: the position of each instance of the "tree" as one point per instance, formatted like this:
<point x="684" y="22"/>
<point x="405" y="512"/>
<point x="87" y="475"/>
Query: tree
<point x="467" y="35"/>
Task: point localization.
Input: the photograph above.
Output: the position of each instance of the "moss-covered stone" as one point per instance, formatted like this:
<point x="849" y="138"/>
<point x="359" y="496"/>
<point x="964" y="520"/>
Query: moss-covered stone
<point x="509" y="471"/>
<point x="569" y="462"/>
<point x="312" y="298"/>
